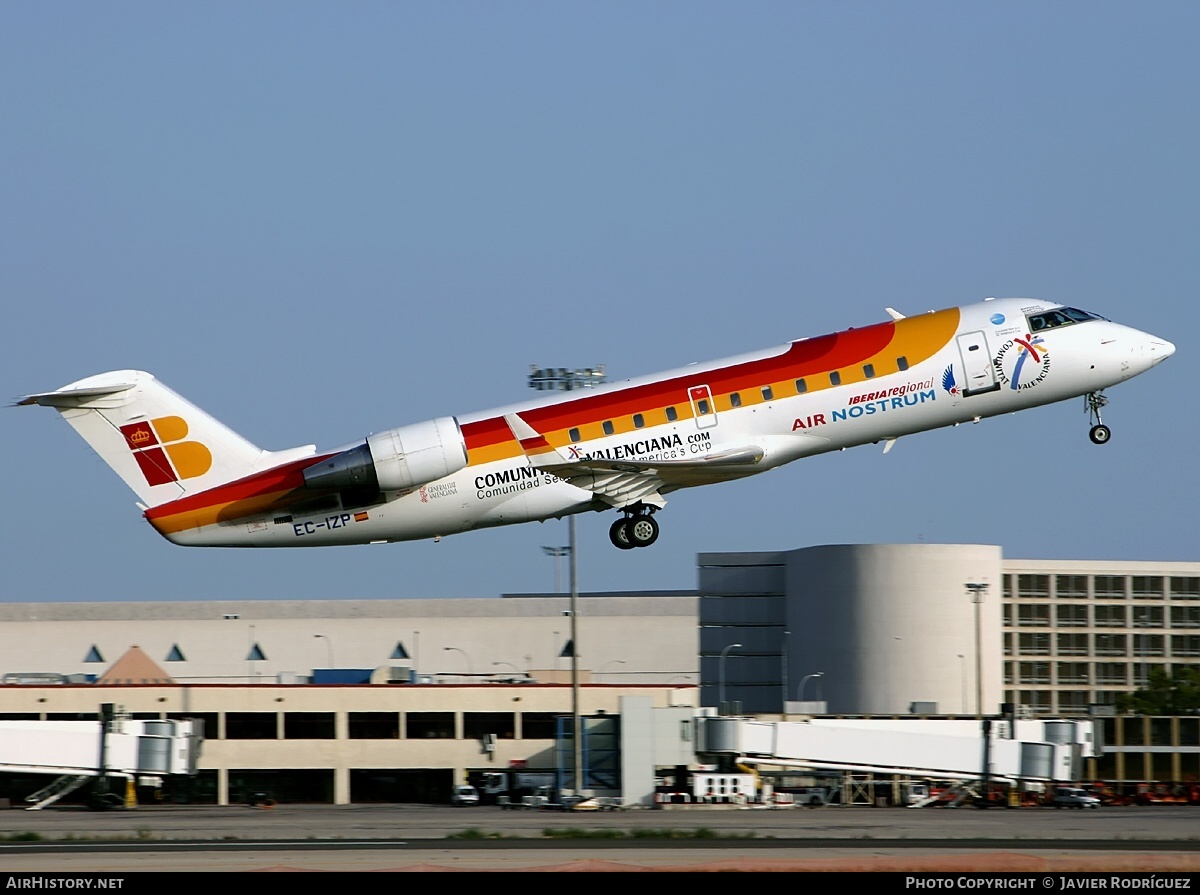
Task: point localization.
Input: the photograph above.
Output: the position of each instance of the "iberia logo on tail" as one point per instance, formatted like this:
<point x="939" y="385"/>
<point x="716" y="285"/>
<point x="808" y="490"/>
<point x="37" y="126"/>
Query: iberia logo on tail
<point x="162" y="454"/>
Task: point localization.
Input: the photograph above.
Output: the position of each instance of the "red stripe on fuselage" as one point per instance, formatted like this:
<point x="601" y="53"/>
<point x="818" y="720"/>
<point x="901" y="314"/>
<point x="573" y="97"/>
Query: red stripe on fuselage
<point x="281" y="478"/>
<point x="804" y="358"/>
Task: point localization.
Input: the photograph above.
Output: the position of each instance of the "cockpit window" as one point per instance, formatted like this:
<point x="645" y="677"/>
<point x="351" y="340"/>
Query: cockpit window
<point x="1060" y="317"/>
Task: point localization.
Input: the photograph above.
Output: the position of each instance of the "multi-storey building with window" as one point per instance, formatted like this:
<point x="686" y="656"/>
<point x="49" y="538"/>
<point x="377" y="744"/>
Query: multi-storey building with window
<point x="1079" y="634"/>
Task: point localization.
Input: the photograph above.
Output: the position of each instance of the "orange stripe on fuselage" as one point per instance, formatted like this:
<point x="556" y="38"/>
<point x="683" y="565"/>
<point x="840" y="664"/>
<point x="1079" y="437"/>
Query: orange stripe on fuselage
<point x="915" y="338"/>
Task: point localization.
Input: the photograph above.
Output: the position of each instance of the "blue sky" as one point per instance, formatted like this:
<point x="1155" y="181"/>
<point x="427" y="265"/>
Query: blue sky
<point x="318" y="220"/>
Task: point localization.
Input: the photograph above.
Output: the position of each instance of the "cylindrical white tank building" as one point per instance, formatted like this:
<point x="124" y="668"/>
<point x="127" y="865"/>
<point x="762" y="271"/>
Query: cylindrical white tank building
<point x="890" y="625"/>
<point x="864" y="628"/>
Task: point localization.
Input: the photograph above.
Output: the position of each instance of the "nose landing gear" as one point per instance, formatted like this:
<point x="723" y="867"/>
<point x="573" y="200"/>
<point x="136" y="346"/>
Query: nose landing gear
<point x="1100" y="433"/>
<point x="636" y="529"/>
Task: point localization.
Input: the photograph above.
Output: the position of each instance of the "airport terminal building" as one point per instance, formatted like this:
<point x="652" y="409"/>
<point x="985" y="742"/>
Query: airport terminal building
<point x="382" y="700"/>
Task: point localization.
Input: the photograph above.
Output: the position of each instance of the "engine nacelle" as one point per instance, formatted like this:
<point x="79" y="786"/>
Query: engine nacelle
<point x="396" y="459"/>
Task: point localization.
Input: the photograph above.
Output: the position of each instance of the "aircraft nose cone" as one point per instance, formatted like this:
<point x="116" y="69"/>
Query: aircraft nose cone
<point x="1158" y="350"/>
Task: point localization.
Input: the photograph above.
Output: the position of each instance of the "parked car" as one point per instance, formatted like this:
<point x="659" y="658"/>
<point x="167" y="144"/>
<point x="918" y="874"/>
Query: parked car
<point x="812" y="796"/>
<point x="464" y="795"/>
<point x="1066" y="797"/>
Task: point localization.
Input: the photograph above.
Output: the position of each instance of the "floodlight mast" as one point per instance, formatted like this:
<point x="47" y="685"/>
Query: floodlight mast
<point x="977" y="590"/>
<point x="563" y="379"/>
<point x="558" y="553"/>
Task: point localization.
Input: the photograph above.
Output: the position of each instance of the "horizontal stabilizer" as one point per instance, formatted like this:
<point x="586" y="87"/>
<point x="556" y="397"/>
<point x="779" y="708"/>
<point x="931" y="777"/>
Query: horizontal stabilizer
<point x="74" y="397"/>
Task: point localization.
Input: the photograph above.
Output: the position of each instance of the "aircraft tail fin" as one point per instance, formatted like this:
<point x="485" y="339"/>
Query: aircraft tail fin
<point x="161" y="445"/>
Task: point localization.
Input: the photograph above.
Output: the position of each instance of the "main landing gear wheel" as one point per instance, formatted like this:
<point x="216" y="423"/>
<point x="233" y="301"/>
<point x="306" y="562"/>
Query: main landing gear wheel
<point x="619" y="536"/>
<point x="638" y="530"/>
<point x="642" y="531"/>
<point x="1100" y="434"/>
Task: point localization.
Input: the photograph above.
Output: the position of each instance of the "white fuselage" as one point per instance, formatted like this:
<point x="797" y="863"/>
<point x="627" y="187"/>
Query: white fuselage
<point x="985" y="367"/>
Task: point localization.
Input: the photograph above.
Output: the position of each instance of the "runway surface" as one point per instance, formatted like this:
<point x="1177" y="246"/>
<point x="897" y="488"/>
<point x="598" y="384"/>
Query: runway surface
<point x="428" y="838"/>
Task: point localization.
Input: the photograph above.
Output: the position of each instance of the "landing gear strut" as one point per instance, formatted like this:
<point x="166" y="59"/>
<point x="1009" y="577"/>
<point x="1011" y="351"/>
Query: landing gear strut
<point x="636" y="529"/>
<point x="1100" y="433"/>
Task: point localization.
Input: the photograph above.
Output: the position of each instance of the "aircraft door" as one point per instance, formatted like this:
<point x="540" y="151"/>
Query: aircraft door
<point x="979" y="376"/>
<point x="703" y="409"/>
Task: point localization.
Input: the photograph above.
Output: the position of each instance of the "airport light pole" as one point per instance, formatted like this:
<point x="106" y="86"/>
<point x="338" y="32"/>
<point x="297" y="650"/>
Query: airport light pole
<point x="328" y="646"/>
<point x="1139" y="670"/>
<point x="515" y="669"/>
<point x="721" y="676"/>
<point x="962" y="667"/>
<point x="977" y="591"/>
<point x="562" y="379"/>
<point x="250" y="655"/>
<point x="804" y="680"/>
<point x="576" y="716"/>
<point x="470" y="665"/>
<point x="783" y="669"/>
<point x="558" y="553"/>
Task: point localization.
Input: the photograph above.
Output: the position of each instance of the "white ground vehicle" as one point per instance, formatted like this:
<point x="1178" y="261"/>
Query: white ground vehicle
<point x="464" y="795"/>
<point x="1069" y="797"/>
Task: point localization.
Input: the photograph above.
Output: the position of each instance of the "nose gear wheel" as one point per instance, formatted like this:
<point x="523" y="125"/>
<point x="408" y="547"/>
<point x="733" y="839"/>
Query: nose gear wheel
<point x="1099" y="433"/>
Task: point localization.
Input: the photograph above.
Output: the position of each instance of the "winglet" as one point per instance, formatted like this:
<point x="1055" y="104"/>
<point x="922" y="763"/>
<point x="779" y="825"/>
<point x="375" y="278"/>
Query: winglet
<point x="535" y="446"/>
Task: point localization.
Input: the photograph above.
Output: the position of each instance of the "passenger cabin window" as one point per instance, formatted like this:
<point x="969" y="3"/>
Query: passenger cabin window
<point x="702" y="406"/>
<point x="801" y="386"/>
<point x="902" y="363"/>
<point x="573" y="434"/>
<point x="1059" y="317"/>
<point x="767" y="393"/>
<point x="735" y="400"/>
<point x="869" y="371"/>
<point x="608" y="427"/>
<point x="672" y="414"/>
<point x="835" y="378"/>
<point x="638" y="421"/>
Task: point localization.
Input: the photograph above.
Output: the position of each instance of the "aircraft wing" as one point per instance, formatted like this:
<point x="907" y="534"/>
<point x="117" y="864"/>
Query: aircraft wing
<point x="624" y="482"/>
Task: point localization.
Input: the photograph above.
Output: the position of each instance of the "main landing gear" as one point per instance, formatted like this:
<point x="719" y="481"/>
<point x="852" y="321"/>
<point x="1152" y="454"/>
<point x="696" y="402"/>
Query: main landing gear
<point x="1100" y="433"/>
<point x="636" y="528"/>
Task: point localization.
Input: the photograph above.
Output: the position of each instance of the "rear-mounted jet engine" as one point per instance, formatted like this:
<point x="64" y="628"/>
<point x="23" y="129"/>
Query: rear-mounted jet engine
<point x="395" y="459"/>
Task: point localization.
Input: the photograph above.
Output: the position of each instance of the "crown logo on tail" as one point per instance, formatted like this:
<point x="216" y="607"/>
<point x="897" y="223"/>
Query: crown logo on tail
<point x="161" y="453"/>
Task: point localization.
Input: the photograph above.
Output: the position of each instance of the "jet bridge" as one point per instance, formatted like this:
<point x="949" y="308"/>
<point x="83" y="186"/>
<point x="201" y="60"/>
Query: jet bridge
<point x="1041" y="751"/>
<point x="78" y="752"/>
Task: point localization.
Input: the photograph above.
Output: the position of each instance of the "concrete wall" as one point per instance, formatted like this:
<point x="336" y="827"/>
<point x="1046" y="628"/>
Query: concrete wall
<point x="630" y="638"/>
